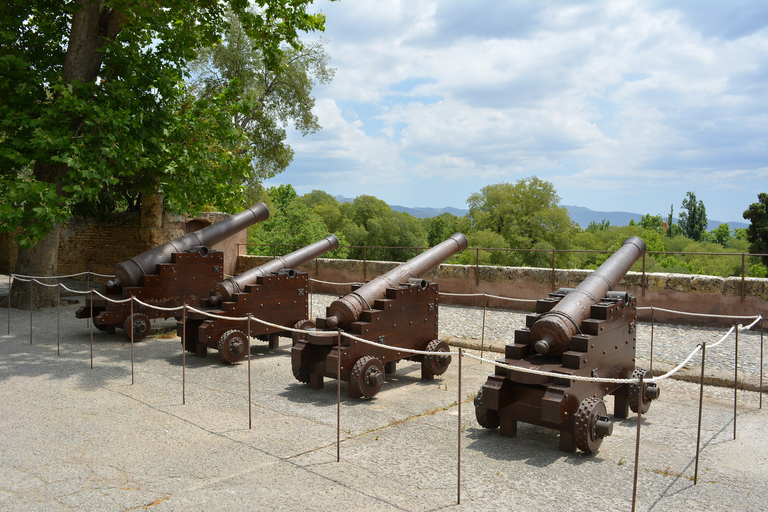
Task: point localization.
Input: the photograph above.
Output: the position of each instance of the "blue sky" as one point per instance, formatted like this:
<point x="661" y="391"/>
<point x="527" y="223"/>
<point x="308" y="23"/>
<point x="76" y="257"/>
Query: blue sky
<point x="622" y="105"/>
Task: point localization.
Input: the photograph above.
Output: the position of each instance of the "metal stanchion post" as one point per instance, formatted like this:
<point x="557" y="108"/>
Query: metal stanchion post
<point x="31" y="294"/>
<point x="458" y="444"/>
<point x="88" y="285"/>
<point x="248" y="348"/>
<point x="637" y="446"/>
<point x="338" y="397"/>
<point x="761" y="360"/>
<point x="58" y="318"/>
<point x="311" y="297"/>
<point x="184" y="354"/>
<point x="652" y="328"/>
<point x="735" y="379"/>
<point x="130" y="326"/>
<point x="91" y="302"/>
<point x="10" y="284"/>
<point x="482" y="333"/>
<point x="701" y="404"/>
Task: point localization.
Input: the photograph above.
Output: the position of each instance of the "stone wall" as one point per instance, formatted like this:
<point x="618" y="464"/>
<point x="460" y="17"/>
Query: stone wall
<point x="96" y="245"/>
<point x="705" y="295"/>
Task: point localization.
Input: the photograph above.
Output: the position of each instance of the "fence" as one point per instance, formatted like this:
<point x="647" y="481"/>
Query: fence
<point x="553" y="252"/>
<point x="339" y="334"/>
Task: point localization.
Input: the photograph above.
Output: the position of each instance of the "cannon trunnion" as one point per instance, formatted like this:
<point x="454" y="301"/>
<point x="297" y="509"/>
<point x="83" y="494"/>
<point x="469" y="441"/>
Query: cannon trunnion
<point x="601" y="343"/>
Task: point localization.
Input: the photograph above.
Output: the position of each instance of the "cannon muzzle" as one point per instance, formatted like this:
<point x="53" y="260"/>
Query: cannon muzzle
<point x="347" y="309"/>
<point x="130" y="272"/>
<point x="552" y="331"/>
<point x="227" y="288"/>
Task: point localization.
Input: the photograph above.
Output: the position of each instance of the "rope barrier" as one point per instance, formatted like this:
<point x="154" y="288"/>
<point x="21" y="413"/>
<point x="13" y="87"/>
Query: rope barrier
<point x="558" y="375"/>
<point x="707" y="315"/>
<point x="333" y="283"/>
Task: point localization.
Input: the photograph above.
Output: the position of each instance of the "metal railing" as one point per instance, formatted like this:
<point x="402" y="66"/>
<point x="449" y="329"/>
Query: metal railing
<point x="552" y="267"/>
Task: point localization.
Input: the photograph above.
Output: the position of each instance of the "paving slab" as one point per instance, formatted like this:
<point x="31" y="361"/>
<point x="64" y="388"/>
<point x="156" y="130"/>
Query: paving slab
<point x="74" y="437"/>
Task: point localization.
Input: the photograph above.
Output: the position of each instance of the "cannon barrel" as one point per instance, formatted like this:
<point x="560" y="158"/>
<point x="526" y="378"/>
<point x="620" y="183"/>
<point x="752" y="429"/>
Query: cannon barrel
<point x="228" y="287"/>
<point x="552" y="331"/>
<point x="130" y="272"/>
<point x="347" y="309"/>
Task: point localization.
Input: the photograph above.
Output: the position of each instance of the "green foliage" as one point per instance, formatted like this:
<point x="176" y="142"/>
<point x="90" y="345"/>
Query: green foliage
<point x="757" y="232"/>
<point x="526" y="214"/>
<point x="652" y="223"/>
<point x="440" y="228"/>
<point x="598" y="226"/>
<point x="291" y="225"/>
<point x="693" y="218"/>
<point x="100" y="126"/>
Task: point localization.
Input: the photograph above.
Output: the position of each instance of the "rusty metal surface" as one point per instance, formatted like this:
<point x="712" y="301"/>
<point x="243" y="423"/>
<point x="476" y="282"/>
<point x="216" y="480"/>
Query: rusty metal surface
<point x="227" y="288"/>
<point x="552" y="332"/>
<point x="348" y="308"/>
<point x="406" y="317"/>
<point x="601" y="342"/>
<point x="278" y="298"/>
<point x="131" y="271"/>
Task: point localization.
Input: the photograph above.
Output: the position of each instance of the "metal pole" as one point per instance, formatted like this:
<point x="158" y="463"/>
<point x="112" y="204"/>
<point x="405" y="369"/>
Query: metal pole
<point x="553" y="270"/>
<point x="652" y="326"/>
<point x="31" y="293"/>
<point x="365" y="263"/>
<point x="458" y="444"/>
<point x="761" y="362"/>
<point x="248" y="347"/>
<point x="130" y="326"/>
<point x="91" y="304"/>
<point x="482" y="333"/>
<point x="311" y="297"/>
<point x="701" y="404"/>
<point x="88" y="285"/>
<point x="10" y="284"/>
<point x="735" y="379"/>
<point x="637" y="445"/>
<point x="477" y="267"/>
<point x="338" y="397"/>
<point x="643" y="279"/>
<point x="184" y="354"/>
<point x="58" y="318"/>
<point x="743" y="273"/>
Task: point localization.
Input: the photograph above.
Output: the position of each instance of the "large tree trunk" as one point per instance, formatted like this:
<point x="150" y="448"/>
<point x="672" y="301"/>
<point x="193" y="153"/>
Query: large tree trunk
<point x="92" y="26"/>
<point x="41" y="260"/>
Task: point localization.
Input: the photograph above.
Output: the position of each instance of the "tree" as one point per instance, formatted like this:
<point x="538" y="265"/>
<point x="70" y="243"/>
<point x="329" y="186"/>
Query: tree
<point x="273" y="96"/>
<point x="293" y="225"/>
<point x="395" y="229"/>
<point x="693" y="217"/>
<point x="652" y="222"/>
<point x="526" y="214"/>
<point x="757" y="232"/>
<point x="721" y="234"/>
<point x="439" y="228"/>
<point x="93" y="100"/>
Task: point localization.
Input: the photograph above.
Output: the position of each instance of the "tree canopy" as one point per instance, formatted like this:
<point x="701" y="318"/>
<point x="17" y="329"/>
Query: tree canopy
<point x="94" y="104"/>
<point x="693" y="217"/>
<point x="757" y="232"/>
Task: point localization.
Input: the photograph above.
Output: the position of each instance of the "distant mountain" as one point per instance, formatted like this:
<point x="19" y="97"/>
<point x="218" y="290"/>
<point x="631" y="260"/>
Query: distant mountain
<point x="578" y="214"/>
<point x="583" y="216"/>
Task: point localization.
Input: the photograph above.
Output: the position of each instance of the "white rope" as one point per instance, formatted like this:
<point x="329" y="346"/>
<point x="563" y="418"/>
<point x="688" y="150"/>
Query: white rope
<point x="693" y="314"/>
<point x="333" y="283"/>
<point x="327" y="334"/>
<point x="461" y="294"/>
<point x="398" y="349"/>
<point x="97" y="292"/>
<point x="44" y="284"/>
<point x="74" y="291"/>
<point x="151" y="306"/>
<point x="509" y="298"/>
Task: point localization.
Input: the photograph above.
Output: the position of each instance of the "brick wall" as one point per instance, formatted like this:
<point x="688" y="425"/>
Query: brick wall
<point x="96" y="245"/>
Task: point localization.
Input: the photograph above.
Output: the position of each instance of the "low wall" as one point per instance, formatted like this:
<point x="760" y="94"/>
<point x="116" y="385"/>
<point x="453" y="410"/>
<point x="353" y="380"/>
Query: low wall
<point x="96" y="245"/>
<point x="705" y="295"/>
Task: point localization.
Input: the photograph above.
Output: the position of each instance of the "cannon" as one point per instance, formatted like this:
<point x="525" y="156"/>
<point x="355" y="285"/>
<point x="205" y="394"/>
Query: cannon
<point x="396" y="309"/>
<point x="274" y="292"/>
<point x="184" y="270"/>
<point x="588" y="331"/>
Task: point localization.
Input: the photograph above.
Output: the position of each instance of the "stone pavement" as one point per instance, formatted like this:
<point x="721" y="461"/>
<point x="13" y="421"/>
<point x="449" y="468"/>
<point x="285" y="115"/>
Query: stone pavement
<point x="76" y="438"/>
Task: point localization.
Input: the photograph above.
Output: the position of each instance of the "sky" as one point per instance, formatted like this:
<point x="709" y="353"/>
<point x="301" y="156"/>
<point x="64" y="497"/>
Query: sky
<point x="621" y="105"/>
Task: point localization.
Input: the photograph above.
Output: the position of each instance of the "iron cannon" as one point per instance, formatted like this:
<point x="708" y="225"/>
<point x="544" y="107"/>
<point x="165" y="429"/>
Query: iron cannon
<point x="396" y="309"/>
<point x="588" y="331"/>
<point x="275" y="292"/>
<point x="184" y="270"/>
